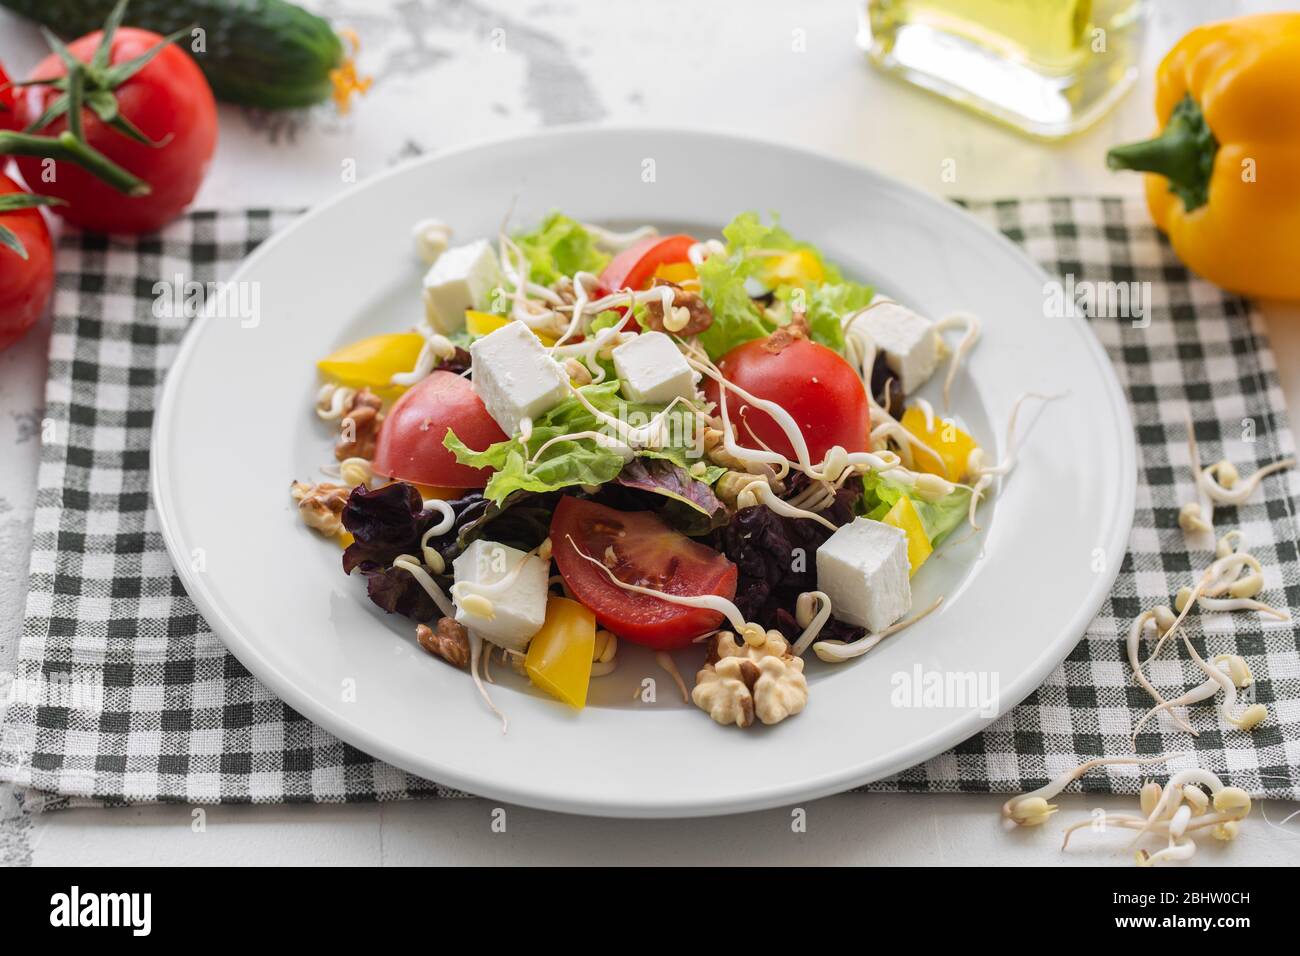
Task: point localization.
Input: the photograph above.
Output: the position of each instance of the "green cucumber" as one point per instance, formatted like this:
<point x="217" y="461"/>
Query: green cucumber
<point x="265" y="53"/>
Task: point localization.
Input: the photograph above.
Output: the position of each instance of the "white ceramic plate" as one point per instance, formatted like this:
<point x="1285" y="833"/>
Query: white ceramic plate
<point x="235" y="426"/>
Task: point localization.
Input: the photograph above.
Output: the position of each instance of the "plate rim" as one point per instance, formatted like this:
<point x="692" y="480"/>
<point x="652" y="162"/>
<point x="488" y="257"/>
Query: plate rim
<point x="283" y="686"/>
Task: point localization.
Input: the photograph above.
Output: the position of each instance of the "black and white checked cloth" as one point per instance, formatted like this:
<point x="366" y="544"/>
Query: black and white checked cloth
<point x="122" y="694"/>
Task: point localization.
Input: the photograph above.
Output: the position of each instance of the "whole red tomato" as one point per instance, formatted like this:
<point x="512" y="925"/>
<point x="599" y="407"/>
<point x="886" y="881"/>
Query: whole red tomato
<point x="25" y="284"/>
<point x="814" y="384"/>
<point x="168" y="100"/>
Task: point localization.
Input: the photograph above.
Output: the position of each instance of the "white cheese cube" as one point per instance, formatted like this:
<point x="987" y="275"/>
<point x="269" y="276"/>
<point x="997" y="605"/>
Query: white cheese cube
<point x="863" y="569"/>
<point x="461" y="278"/>
<point x="910" y="344"/>
<point x="515" y="375"/>
<point x="517" y="613"/>
<point x="652" y="370"/>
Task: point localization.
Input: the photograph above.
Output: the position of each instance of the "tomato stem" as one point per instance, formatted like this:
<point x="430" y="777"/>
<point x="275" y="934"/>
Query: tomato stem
<point x="67" y="147"/>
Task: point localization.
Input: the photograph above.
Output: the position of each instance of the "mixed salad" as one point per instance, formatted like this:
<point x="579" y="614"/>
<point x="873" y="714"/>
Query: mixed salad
<point x="694" y="445"/>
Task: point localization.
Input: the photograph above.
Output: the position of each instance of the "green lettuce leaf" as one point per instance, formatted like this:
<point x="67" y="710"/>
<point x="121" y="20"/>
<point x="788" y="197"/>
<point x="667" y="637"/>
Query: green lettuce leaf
<point x="938" y="518"/>
<point x="566" y="463"/>
<point x="738" y="319"/>
<point x="560" y="246"/>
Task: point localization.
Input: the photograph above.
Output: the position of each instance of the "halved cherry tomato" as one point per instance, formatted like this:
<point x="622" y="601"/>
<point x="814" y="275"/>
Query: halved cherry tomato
<point x="811" y="382"/>
<point x="635" y="266"/>
<point x="410" y="444"/>
<point x="640" y="549"/>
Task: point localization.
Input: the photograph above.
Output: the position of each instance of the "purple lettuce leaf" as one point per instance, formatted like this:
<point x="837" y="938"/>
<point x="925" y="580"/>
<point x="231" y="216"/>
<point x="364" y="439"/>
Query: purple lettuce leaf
<point x="777" y="559"/>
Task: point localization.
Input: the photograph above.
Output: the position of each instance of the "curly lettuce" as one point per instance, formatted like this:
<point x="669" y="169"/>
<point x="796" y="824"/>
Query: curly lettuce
<point x="811" y="284"/>
<point x="570" y="462"/>
<point x="560" y="246"/>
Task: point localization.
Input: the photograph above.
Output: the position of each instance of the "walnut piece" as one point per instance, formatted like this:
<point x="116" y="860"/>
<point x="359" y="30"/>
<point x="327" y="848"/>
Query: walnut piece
<point x="320" y="505"/>
<point x="450" y="641"/>
<point x="359" y="426"/>
<point x="700" y="316"/>
<point x="742" y="681"/>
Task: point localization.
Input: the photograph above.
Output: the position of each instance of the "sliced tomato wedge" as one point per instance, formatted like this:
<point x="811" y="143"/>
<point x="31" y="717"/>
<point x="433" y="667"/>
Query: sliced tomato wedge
<point x="635" y="266"/>
<point x="639" y="549"/>
<point x="410" y="444"/>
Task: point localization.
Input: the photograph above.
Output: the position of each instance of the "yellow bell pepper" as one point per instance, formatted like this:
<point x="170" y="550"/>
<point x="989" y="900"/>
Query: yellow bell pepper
<point x="677" y="272"/>
<point x="373" y="362"/>
<point x="559" y="655"/>
<point x="904" y="517"/>
<point x="1224" y="168"/>
<point x="949" y="442"/>
<point x="481" y="323"/>
<point x="800" y="267"/>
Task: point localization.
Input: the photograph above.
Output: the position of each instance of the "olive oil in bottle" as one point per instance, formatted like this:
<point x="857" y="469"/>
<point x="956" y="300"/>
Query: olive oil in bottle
<point x="1047" y="67"/>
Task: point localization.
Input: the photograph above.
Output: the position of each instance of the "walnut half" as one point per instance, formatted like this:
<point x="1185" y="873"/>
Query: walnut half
<point x="450" y="641"/>
<point x="320" y="505"/>
<point x="742" y="681"/>
<point x="359" y="426"/>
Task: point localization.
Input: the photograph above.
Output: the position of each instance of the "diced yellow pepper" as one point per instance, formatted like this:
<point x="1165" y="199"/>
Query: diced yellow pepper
<point x="372" y="363"/>
<point x="559" y="656"/>
<point x="434" y="491"/>
<point x="800" y="267"/>
<point x="677" y="272"/>
<point x="481" y="323"/>
<point x="948" y="441"/>
<point x="904" y="517"/>
<point x="344" y="538"/>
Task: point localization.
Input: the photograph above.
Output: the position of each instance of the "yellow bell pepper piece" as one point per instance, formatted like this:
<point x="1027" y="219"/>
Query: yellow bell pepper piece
<point x="372" y="363"/>
<point x="800" y="267"/>
<point x="559" y="656"/>
<point x="904" y="517"/>
<point x="481" y="323"/>
<point x="677" y="272"/>
<point x="434" y="491"/>
<point x="344" y="538"/>
<point x="1223" y="169"/>
<point x="949" y="442"/>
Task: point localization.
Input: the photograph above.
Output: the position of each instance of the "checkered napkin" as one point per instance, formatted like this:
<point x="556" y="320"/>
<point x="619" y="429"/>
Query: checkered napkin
<point x="122" y="694"/>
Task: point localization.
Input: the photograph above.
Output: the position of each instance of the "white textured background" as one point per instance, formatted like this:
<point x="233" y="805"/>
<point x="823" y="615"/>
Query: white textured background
<point x="726" y="65"/>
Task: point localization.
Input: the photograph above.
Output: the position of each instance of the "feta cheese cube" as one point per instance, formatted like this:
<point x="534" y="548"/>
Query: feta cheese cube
<point x="519" y="611"/>
<point x="461" y="278"/>
<point x="863" y="569"/>
<point x="652" y="370"/>
<point x="908" y="340"/>
<point x="515" y="375"/>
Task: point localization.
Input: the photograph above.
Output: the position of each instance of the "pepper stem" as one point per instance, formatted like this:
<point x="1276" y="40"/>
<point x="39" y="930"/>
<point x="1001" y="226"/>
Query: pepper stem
<point x="1183" y="153"/>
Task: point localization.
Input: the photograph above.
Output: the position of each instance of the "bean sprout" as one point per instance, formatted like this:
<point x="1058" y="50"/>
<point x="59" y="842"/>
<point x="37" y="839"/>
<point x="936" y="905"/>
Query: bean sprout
<point x="332" y="401"/>
<point x="1031" y="809"/>
<point x="411" y="565"/>
<point x="666" y="662"/>
<point x="612" y="241"/>
<point x="971" y="323"/>
<point x="836" y="652"/>
<point x="811" y="623"/>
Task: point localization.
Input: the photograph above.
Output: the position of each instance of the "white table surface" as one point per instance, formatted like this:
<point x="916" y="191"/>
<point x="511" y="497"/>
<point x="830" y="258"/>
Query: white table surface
<point x="440" y="80"/>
